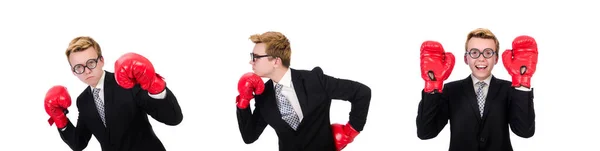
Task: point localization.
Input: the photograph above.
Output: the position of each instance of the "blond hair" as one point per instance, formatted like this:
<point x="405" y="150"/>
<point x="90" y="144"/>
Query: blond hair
<point x="82" y="43"/>
<point x="277" y="45"/>
<point x="483" y="33"/>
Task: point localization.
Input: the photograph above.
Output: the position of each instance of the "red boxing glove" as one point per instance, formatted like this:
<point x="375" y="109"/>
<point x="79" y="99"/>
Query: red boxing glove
<point x="343" y="135"/>
<point x="521" y="61"/>
<point x="56" y="102"/>
<point x="248" y="85"/>
<point x="436" y="65"/>
<point x="132" y="68"/>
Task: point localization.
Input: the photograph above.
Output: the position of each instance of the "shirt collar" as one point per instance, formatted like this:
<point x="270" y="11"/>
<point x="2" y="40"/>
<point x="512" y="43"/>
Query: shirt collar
<point x="100" y="84"/>
<point x="286" y="80"/>
<point x="486" y="80"/>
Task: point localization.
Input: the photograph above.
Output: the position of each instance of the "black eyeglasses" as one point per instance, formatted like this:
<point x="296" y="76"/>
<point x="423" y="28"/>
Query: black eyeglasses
<point x="90" y="64"/>
<point x="475" y="53"/>
<point x="253" y="56"/>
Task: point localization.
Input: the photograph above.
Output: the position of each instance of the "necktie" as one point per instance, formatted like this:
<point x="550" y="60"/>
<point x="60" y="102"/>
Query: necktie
<point x="285" y="108"/>
<point x="480" y="97"/>
<point x="99" y="104"/>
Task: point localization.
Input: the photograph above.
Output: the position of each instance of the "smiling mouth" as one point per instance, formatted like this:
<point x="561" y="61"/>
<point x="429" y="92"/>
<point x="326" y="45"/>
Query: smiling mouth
<point x="481" y="67"/>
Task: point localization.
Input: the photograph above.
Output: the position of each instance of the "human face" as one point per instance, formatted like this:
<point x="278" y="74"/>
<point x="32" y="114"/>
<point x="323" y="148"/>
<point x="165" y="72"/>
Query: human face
<point x="481" y="66"/>
<point x="84" y="61"/>
<point x="261" y="64"/>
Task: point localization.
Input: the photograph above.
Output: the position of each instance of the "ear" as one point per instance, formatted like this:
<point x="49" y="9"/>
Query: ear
<point x="497" y="57"/>
<point x="465" y="57"/>
<point x="275" y="63"/>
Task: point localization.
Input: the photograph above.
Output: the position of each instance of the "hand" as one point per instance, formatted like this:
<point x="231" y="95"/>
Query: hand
<point x="436" y="65"/>
<point x="248" y="85"/>
<point x="343" y="135"/>
<point x="132" y="68"/>
<point x="56" y="102"/>
<point x="521" y="61"/>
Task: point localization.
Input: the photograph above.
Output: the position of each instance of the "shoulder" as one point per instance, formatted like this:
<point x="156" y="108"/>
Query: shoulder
<point x="316" y="71"/>
<point x="504" y="84"/>
<point x="82" y="96"/>
<point x="269" y="83"/>
<point x="501" y="81"/>
<point x="454" y="84"/>
<point x="108" y="73"/>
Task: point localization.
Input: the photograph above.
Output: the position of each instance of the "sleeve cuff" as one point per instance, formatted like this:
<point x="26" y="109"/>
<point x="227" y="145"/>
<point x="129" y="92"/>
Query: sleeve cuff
<point x="161" y="95"/>
<point x="523" y="88"/>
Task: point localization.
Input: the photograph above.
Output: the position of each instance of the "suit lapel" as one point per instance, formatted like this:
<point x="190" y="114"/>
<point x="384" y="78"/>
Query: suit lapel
<point x="270" y="105"/>
<point x="109" y="87"/>
<point x="491" y="95"/>
<point x="298" y="83"/>
<point x="93" y="109"/>
<point x="271" y="101"/>
<point x="469" y="91"/>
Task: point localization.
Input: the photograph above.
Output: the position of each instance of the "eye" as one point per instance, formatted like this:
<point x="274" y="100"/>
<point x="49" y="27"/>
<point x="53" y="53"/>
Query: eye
<point x="78" y="68"/>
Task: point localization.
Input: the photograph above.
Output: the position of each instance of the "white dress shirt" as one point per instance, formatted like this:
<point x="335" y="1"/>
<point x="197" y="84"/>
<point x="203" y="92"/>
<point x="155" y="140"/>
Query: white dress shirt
<point x="288" y="91"/>
<point x="485" y="88"/>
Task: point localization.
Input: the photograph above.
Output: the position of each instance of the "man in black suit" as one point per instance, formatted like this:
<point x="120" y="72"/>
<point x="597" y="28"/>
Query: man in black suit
<point x="115" y="106"/>
<point x="296" y="102"/>
<point x="480" y="107"/>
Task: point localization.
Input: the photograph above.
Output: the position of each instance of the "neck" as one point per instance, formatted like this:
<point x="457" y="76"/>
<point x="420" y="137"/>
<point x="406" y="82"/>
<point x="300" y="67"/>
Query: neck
<point x="481" y="79"/>
<point x="278" y="74"/>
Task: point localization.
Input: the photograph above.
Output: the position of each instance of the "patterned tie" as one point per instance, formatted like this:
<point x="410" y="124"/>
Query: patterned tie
<point x="99" y="104"/>
<point x="285" y="108"/>
<point x="480" y="97"/>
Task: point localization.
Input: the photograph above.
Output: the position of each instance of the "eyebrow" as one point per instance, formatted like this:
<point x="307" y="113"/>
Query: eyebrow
<point x="88" y="60"/>
<point x="481" y="49"/>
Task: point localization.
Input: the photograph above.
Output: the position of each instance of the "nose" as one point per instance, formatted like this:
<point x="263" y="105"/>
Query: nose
<point x="481" y="59"/>
<point x="87" y="71"/>
<point x="251" y="62"/>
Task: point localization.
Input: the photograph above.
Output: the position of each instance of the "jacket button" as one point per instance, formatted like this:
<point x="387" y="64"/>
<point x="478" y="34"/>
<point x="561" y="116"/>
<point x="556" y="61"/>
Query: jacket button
<point x="482" y="139"/>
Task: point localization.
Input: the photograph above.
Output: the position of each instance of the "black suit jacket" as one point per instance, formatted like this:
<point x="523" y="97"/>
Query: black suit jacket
<point x="504" y="106"/>
<point x="315" y="91"/>
<point x="126" y="114"/>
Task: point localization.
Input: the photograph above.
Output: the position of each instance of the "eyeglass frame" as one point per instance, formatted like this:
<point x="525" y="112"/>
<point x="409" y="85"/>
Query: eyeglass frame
<point x="86" y="66"/>
<point x="254" y="57"/>
<point x="480" y="53"/>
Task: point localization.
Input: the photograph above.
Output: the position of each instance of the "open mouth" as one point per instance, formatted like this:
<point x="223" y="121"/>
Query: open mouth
<point x="481" y="67"/>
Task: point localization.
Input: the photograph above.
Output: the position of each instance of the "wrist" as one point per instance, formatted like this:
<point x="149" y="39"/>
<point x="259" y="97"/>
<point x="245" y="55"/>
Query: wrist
<point x="350" y="131"/>
<point x="526" y="81"/>
<point x="158" y="85"/>
<point x="432" y="86"/>
<point x="241" y="103"/>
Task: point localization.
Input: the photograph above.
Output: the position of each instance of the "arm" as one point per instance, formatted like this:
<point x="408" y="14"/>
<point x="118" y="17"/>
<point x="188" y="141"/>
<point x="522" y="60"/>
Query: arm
<point x="163" y="106"/>
<point x="76" y="137"/>
<point x="356" y="93"/>
<point x="149" y="88"/>
<point x="432" y="114"/>
<point x="521" y="112"/>
<point x="251" y="124"/>
<point x="521" y="64"/>
<point x="436" y="67"/>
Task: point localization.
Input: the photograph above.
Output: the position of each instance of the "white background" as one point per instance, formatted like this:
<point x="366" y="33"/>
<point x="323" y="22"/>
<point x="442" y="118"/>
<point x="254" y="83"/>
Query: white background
<point x="202" y="50"/>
